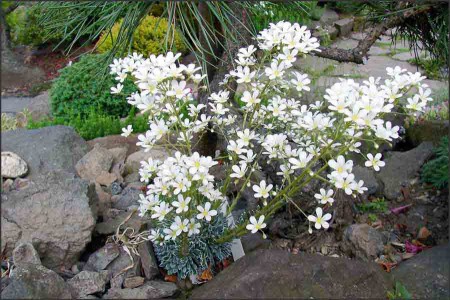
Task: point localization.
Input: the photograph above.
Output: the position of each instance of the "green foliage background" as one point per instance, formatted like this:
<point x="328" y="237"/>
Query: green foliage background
<point x="84" y="85"/>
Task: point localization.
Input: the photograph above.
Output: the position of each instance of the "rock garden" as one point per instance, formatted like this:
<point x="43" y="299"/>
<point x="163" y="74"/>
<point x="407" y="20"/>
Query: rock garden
<point x="244" y="150"/>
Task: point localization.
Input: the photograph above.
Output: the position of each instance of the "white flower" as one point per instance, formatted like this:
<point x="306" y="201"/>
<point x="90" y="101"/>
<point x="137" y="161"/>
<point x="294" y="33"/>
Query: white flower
<point x="182" y="204"/>
<point x="205" y="212"/>
<point x="154" y="235"/>
<point x="239" y="171"/>
<point x="302" y="161"/>
<point x="170" y="234"/>
<point x="117" y="90"/>
<point x="262" y="191"/>
<point x="256" y="225"/>
<point x="340" y="166"/>
<point x="275" y="70"/>
<point x="178" y="89"/>
<point x="319" y="220"/>
<point x="127" y="131"/>
<point x="237" y="147"/>
<point x="161" y="211"/>
<point x="194" y="228"/>
<point x="325" y="196"/>
<point x="250" y="99"/>
<point x="301" y="82"/>
<point x="347" y="183"/>
<point x="179" y="225"/>
<point x="374" y="161"/>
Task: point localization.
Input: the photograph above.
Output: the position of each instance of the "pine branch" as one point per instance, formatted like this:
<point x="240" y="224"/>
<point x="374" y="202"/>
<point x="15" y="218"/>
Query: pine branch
<point x="359" y="53"/>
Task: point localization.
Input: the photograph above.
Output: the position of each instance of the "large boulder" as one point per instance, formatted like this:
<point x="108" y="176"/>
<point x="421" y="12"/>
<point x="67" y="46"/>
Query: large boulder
<point x="53" y="214"/>
<point x="402" y="167"/>
<point x="46" y="149"/>
<point x="30" y="280"/>
<point x="279" y="274"/>
<point x="426" y="275"/>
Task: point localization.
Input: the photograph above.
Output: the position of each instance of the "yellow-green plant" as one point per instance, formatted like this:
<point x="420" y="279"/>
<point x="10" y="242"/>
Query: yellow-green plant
<point x="148" y="38"/>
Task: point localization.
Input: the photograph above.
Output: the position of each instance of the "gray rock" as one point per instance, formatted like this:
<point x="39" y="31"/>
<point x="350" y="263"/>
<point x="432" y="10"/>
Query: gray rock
<point x="124" y="264"/>
<point x="401" y="167"/>
<point x="119" y="154"/>
<point x="7" y="185"/>
<point x="25" y="254"/>
<point x="253" y="241"/>
<point x="117" y="281"/>
<point x="95" y="162"/>
<point x="106" y="178"/>
<point x="116" y="141"/>
<point x="39" y="106"/>
<point x="33" y="281"/>
<point x="344" y="26"/>
<point x="329" y="17"/>
<point x="115" y="188"/>
<point x="104" y="200"/>
<point x="148" y="260"/>
<point x="279" y="274"/>
<point x="13" y="166"/>
<point x="345" y="43"/>
<point x="374" y="50"/>
<point x="373" y="185"/>
<point x="132" y="177"/>
<point x="133" y="162"/>
<point x="128" y="197"/>
<point x="426" y="275"/>
<point x="363" y="241"/>
<point x="53" y="214"/>
<point x="46" y="149"/>
<point x="101" y="258"/>
<point x="133" y="282"/>
<point x="86" y="283"/>
<point x="21" y="183"/>
<point x="404" y="56"/>
<point x="150" y="290"/>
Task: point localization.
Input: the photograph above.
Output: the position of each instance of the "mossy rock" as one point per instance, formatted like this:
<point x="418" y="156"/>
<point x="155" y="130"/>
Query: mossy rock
<point x="431" y="131"/>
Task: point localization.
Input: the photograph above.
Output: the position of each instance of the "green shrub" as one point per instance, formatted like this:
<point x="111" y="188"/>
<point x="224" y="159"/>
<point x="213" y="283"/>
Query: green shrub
<point x="83" y="85"/>
<point x="433" y="68"/>
<point x="264" y="12"/>
<point x="436" y="170"/>
<point x="95" y="124"/>
<point x="378" y="205"/>
<point x="25" y="27"/>
<point x="148" y="38"/>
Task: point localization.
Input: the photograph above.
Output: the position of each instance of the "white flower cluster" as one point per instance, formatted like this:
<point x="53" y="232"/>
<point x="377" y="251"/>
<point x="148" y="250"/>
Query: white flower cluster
<point x="305" y="139"/>
<point x="177" y="185"/>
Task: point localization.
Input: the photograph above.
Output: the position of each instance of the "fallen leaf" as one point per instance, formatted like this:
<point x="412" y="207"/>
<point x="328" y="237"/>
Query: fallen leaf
<point x="225" y="263"/>
<point x="406" y="256"/>
<point x="423" y="234"/>
<point x="406" y="193"/>
<point x="414" y="247"/>
<point x="401" y="227"/>
<point x="400" y="209"/>
<point x="397" y="244"/>
<point x="206" y="275"/>
<point x="170" y="278"/>
<point x="387" y="266"/>
<point x="167" y="277"/>
<point x="377" y="224"/>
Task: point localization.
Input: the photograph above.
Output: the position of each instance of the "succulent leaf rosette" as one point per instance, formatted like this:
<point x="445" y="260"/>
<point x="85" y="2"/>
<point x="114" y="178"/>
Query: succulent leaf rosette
<point x="272" y="124"/>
